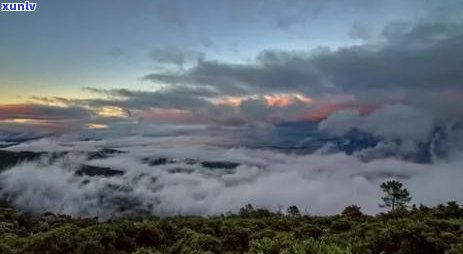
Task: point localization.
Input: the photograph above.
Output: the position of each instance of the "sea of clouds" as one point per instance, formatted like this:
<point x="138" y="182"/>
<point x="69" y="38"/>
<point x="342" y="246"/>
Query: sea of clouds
<point x="318" y="183"/>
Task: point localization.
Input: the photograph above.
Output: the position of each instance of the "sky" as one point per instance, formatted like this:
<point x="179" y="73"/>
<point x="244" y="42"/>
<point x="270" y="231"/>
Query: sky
<point x="367" y="87"/>
<point x="95" y="64"/>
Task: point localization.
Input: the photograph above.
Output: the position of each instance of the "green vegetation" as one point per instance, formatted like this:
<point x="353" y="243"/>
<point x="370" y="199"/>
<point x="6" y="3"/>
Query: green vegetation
<point x="417" y="230"/>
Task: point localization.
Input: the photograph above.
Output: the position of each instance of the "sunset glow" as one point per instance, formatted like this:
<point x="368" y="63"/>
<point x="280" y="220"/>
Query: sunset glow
<point x="272" y="100"/>
<point x="229" y="101"/>
<point x="96" y="126"/>
<point x="18" y="120"/>
<point x="284" y="100"/>
<point x="110" y="111"/>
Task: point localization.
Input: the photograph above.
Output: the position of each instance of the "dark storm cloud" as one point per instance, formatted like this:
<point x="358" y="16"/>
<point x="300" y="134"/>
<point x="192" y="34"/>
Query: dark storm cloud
<point x="426" y="57"/>
<point x="240" y="79"/>
<point x="25" y="121"/>
<point x="41" y="112"/>
<point x="181" y="97"/>
<point x="51" y="100"/>
<point x="405" y="35"/>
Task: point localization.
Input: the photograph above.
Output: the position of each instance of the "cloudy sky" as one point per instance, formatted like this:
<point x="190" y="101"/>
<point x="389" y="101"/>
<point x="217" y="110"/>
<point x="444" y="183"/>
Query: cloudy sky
<point x="99" y="64"/>
<point x="373" y="85"/>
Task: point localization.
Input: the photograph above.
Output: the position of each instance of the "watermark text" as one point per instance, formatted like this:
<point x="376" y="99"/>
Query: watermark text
<point x="26" y="6"/>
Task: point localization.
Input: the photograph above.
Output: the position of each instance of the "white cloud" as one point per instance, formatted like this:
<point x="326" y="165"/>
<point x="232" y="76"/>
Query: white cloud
<point x="322" y="183"/>
<point x="340" y="122"/>
<point x="399" y="122"/>
<point x="391" y="121"/>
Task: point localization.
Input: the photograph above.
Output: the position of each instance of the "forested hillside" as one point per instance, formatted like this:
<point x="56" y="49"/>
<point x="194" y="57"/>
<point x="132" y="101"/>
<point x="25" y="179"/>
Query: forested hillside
<point x="418" y="230"/>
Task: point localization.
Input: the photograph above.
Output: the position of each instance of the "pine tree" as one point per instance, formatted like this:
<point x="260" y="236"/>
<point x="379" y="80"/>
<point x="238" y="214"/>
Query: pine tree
<point x="396" y="196"/>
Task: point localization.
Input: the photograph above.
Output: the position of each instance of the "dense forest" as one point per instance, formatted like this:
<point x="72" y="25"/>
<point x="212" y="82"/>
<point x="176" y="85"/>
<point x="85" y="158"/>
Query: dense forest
<point x="402" y="229"/>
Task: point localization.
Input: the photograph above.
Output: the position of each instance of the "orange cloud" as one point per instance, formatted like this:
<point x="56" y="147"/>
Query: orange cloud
<point x="96" y="126"/>
<point x="229" y="101"/>
<point x="111" y="111"/>
<point x="18" y="120"/>
<point x="274" y="100"/>
<point x="322" y="112"/>
<point x="283" y="100"/>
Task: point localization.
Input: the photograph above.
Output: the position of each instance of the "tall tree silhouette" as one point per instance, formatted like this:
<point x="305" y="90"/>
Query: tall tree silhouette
<point x="395" y="195"/>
